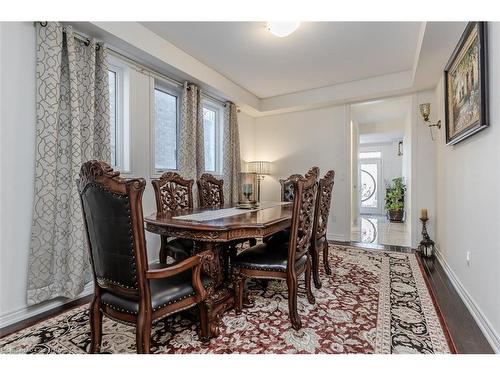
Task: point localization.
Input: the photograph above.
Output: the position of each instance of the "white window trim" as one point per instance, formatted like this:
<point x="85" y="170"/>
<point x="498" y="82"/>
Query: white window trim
<point x="123" y="159"/>
<point x="157" y="83"/>
<point x="219" y="129"/>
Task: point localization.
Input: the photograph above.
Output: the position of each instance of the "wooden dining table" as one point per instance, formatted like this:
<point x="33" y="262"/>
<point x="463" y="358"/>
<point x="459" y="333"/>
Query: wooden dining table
<point x="214" y="236"/>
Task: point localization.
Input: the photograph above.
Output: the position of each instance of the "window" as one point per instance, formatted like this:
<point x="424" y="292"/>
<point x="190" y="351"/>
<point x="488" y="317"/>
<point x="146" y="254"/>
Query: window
<point x="112" y="116"/>
<point x="118" y="115"/>
<point x="370" y="155"/>
<point x="166" y="119"/>
<point x="212" y="131"/>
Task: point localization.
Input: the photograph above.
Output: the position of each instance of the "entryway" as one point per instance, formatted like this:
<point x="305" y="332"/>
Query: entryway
<point x="379" y="131"/>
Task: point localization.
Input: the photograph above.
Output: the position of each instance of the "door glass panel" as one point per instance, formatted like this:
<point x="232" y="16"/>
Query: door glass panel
<point x="369" y="186"/>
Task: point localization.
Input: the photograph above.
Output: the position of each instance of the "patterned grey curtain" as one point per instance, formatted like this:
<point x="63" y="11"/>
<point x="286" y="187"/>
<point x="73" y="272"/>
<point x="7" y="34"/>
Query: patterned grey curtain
<point x="232" y="159"/>
<point x="191" y="141"/>
<point x="72" y="127"/>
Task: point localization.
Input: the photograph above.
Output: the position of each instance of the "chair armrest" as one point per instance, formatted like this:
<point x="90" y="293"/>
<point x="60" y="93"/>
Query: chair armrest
<point x="175" y="269"/>
<point x="193" y="262"/>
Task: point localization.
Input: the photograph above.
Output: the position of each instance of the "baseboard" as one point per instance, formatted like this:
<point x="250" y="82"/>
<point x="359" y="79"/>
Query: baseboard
<point x="335" y="237"/>
<point x="484" y="324"/>
<point x="30" y="311"/>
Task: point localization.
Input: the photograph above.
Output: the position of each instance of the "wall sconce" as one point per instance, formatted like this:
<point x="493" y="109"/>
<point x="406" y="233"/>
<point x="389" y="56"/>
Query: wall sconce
<point x="425" y="111"/>
<point x="262" y="168"/>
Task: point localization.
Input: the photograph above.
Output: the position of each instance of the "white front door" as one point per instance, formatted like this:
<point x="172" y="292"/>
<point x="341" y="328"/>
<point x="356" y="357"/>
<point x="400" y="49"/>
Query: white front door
<point x="371" y="190"/>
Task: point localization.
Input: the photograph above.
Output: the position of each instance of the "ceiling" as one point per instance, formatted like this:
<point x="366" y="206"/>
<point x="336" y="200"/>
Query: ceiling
<point x="318" y="54"/>
<point x="392" y="110"/>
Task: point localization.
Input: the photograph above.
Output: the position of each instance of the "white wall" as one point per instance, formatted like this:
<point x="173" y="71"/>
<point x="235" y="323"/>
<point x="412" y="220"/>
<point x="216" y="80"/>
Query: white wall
<point x="425" y="163"/>
<point x="294" y="142"/>
<point x="468" y="208"/>
<point x="246" y="125"/>
<point x="17" y="69"/>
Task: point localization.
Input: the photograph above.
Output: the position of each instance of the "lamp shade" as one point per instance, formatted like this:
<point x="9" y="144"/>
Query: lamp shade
<point x="260" y="167"/>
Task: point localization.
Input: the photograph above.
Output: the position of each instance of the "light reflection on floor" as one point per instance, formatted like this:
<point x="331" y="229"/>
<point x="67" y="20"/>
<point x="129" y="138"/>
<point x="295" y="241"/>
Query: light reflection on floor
<point x="379" y="230"/>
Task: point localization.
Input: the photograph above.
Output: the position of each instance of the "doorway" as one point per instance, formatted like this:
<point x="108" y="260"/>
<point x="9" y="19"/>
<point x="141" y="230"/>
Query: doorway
<point x="379" y="130"/>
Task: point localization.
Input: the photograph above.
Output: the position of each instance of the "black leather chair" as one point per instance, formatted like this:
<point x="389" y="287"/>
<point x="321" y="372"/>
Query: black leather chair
<point x="174" y="193"/>
<point x="126" y="287"/>
<point x="284" y="260"/>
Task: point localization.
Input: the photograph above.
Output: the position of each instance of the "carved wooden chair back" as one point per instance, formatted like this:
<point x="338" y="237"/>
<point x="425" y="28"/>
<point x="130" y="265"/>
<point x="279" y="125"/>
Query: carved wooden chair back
<point x="323" y="203"/>
<point x="287" y="187"/>
<point x="304" y="202"/>
<point x="210" y="191"/>
<point x="172" y="192"/>
<point x="117" y="247"/>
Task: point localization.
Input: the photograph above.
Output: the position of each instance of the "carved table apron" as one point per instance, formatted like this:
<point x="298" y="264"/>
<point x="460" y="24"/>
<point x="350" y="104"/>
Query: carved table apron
<point x="212" y="235"/>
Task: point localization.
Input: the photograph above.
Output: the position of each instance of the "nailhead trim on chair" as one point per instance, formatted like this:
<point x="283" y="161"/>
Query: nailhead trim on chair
<point x="116" y="283"/>
<point x="127" y="203"/>
<point x="158" y="307"/>
<point x="248" y="267"/>
<point x="119" y="309"/>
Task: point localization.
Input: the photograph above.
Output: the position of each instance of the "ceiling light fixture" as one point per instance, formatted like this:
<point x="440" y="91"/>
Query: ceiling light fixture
<point x="282" y="29"/>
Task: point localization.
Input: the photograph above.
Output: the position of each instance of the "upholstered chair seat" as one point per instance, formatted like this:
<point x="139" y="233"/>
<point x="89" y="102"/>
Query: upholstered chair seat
<point x="266" y="257"/>
<point x="164" y="292"/>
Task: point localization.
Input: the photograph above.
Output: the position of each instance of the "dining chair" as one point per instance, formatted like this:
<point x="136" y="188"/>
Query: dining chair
<point x="210" y="191"/>
<point x="322" y="211"/>
<point x="172" y="193"/>
<point x="126" y="287"/>
<point x="284" y="261"/>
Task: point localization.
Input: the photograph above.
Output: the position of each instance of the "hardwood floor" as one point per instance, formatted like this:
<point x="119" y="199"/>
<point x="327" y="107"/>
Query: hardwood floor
<point x="463" y="328"/>
<point x="466" y="334"/>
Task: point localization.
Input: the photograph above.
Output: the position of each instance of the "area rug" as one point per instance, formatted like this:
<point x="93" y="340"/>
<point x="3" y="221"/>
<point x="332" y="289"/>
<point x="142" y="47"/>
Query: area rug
<point x="374" y="302"/>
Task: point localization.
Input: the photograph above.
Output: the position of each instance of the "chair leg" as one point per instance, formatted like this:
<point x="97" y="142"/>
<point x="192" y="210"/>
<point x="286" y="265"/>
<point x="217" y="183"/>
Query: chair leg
<point x="310" y="296"/>
<point x="95" y="325"/>
<point x="143" y="334"/>
<point x="314" y="254"/>
<point x="163" y="250"/>
<point x="204" y="326"/>
<point x="326" y="263"/>
<point x="239" y="286"/>
<point x="292" y="303"/>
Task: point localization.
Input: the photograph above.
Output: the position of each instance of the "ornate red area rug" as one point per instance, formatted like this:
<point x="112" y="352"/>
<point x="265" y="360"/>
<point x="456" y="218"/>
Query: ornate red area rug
<point x="374" y="302"/>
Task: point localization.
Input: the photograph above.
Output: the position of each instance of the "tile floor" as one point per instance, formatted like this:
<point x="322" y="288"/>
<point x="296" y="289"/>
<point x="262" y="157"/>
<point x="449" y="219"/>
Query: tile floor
<point x="379" y="230"/>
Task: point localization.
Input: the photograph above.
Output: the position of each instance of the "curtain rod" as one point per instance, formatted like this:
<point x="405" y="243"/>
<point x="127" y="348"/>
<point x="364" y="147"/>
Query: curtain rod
<point x="138" y="65"/>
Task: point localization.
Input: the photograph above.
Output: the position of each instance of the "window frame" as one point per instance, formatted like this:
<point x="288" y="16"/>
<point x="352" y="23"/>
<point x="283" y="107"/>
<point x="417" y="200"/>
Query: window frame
<point x="168" y="88"/>
<point x="119" y="115"/>
<point x="123" y="142"/>
<point x="219" y="134"/>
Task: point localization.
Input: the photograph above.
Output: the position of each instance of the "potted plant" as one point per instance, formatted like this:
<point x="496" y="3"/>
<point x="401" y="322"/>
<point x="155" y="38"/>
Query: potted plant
<point x="395" y="200"/>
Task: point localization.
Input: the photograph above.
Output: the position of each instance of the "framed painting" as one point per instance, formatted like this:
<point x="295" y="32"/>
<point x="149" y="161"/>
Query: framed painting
<point x="466" y="85"/>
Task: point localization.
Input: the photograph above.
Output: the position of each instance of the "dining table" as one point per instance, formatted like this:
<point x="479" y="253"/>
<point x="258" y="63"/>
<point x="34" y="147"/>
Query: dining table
<point x="214" y="232"/>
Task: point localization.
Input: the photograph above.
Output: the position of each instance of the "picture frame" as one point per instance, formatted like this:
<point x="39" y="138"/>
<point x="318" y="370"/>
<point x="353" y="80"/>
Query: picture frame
<point x="466" y="85"/>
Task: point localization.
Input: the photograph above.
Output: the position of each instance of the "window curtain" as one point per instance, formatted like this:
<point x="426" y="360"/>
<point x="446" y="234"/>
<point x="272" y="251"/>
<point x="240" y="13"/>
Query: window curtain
<point x="231" y="149"/>
<point x="191" y="141"/>
<point x="72" y="126"/>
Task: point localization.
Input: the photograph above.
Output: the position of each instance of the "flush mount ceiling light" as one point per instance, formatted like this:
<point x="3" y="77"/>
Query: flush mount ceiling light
<point x="282" y="29"/>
